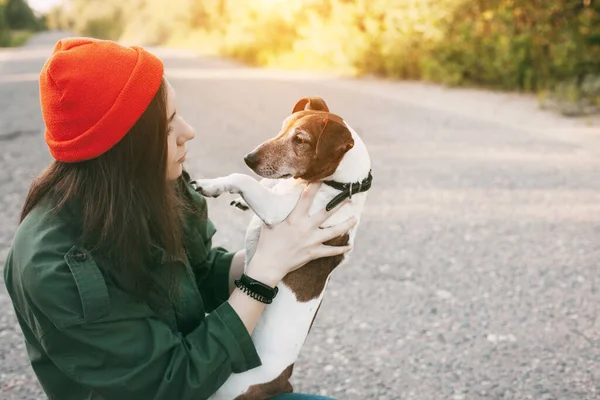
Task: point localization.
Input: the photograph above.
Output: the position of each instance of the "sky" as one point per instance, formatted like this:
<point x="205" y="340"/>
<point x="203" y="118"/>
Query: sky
<point x="42" y="5"/>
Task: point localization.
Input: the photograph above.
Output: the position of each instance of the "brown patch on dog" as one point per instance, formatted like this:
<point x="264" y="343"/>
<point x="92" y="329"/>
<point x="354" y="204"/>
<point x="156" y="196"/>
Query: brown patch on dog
<point x="333" y="141"/>
<point x="308" y="282"/>
<point x="310" y="145"/>
<point x="277" y="386"/>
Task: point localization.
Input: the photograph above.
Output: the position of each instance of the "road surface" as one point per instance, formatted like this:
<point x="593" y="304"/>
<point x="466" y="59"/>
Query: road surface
<point x="475" y="272"/>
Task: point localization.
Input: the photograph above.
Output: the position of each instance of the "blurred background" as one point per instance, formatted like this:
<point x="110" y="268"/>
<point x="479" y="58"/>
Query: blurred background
<point x="475" y="269"/>
<point x="548" y="47"/>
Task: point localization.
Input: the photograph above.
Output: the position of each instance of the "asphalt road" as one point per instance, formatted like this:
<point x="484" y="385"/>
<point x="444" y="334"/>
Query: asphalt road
<point x="475" y="273"/>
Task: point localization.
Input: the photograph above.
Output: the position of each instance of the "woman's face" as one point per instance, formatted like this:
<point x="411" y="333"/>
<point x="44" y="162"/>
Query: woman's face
<point x="179" y="133"/>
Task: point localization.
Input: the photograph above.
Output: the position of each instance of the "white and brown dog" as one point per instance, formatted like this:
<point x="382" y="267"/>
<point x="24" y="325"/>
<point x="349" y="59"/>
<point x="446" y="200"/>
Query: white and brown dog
<point x="313" y="145"/>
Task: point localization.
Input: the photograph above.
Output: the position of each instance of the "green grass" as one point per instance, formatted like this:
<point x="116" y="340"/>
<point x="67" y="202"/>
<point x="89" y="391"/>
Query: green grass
<point x="19" y="38"/>
<point x="14" y="38"/>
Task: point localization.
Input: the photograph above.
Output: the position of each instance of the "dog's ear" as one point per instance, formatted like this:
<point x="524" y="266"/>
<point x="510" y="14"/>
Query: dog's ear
<point x="333" y="143"/>
<point x="335" y="139"/>
<point x="310" y="103"/>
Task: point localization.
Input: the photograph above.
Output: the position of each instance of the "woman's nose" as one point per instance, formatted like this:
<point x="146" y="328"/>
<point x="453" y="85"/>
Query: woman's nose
<point x="188" y="132"/>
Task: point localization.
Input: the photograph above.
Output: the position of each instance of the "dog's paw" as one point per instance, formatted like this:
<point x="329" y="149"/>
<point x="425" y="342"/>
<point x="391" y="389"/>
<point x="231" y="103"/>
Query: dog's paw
<point x="210" y="187"/>
<point x="240" y="203"/>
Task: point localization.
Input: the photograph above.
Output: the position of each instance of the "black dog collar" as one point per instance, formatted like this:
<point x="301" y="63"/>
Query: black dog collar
<point x="347" y="190"/>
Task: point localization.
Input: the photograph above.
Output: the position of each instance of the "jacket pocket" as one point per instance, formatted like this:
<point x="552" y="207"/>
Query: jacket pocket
<point x="90" y="282"/>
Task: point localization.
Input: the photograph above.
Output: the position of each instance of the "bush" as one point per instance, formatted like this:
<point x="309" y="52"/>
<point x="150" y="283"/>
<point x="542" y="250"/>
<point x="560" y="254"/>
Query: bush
<point x="527" y="45"/>
<point x="20" y="16"/>
<point x="573" y="98"/>
<point x="19" y="38"/>
<point x="4" y="30"/>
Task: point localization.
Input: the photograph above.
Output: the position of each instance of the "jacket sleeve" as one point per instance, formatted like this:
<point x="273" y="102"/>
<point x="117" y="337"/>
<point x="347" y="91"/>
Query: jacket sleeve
<point x="102" y="339"/>
<point x="210" y="264"/>
<point x="141" y="358"/>
<point x="214" y="287"/>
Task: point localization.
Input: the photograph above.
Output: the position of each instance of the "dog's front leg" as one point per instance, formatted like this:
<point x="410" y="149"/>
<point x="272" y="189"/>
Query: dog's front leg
<point x="241" y="204"/>
<point x="270" y="207"/>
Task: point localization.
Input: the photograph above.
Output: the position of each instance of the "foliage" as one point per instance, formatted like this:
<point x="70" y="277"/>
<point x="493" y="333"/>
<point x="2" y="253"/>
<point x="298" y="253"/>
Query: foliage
<point x="17" y="22"/>
<point x="19" y="38"/>
<point x="573" y="97"/>
<point x="4" y="30"/>
<point x="19" y="16"/>
<point x="518" y="45"/>
<point x="529" y="45"/>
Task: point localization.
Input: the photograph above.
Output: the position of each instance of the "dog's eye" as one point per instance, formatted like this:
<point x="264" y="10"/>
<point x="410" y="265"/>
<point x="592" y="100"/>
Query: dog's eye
<point x="298" y="140"/>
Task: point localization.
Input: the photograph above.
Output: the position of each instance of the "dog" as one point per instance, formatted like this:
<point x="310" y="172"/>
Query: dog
<point x="313" y="145"/>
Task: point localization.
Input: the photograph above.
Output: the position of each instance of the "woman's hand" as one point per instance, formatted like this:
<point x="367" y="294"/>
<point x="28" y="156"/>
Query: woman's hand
<point x="296" y="241"/>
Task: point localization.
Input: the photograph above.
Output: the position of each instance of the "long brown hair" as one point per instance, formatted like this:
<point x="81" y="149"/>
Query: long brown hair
<point x="126" y="205"/>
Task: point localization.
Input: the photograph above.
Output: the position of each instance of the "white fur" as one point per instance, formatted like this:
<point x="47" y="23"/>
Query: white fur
<point x="284" y="325"/>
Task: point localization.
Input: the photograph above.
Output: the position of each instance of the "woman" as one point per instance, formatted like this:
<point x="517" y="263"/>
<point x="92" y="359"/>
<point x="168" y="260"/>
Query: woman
<point x="111" y="269"/>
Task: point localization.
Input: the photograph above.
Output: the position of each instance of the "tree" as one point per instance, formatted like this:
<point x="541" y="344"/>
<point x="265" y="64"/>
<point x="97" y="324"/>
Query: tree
<point x="4" y="31"/>
<point x="19" y="15"/>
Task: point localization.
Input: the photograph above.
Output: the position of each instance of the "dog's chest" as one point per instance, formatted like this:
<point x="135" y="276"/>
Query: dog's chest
<point x="290" y="191"/>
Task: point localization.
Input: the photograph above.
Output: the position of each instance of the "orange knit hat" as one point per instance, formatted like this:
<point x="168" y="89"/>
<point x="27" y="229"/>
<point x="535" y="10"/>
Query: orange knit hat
<point x="92" y="92"/>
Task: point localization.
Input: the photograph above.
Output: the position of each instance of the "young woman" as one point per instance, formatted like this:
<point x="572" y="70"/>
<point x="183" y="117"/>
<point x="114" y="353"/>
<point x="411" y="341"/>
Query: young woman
<point x="111" y="272"/>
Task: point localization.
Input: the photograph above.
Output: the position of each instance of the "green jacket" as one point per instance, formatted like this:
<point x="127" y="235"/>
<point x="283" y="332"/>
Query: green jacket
<point x="87" y="339"/>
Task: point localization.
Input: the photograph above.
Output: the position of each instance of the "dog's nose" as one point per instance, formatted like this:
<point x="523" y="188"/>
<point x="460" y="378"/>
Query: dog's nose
<point x="251" y="160"/>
